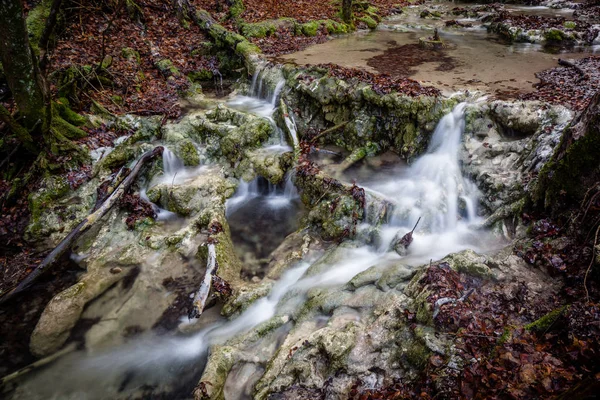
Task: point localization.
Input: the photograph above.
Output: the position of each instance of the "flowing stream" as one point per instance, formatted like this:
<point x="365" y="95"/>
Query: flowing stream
<point x="432" y="189"/>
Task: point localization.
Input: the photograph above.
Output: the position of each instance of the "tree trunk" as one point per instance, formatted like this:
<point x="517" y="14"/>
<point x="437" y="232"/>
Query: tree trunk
<point x="20" y="65"/>
<point x="347" y="11"/>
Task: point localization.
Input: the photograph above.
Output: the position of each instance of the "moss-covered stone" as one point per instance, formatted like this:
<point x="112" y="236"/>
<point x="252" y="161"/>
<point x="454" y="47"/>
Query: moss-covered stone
<point x="554" y="35"/>
<point x="310" y="28"/>
<point x="189" y="153"/>
<point x="200" y="75"/>
<point x="545" y="323"/>
<point x="131" y="54"/>
<point x="166" y="67"/>
<point x="369" y="21"/>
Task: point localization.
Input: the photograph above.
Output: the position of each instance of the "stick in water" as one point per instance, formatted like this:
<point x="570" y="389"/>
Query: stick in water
<point x="202" y="293"/>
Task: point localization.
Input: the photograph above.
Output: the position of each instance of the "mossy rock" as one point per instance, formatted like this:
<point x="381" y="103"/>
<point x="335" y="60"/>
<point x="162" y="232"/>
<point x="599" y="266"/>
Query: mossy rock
<point x="200" y="75"/>
<point x="310" y="28"/>
<point x="554" y="35"/>
<point x="369" y="21"/>
<point x="189" y="153"/>
<point x="166" y="67"/>
<point x="131" y="55"/>
<point x="545" y="323"/>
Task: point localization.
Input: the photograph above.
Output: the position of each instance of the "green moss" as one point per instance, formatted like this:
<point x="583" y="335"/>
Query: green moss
<point x="36" y="21"/>
<point x="117" y="100"/>
<point x="52" y="189"/>
<point x="201" y="75"/>
<point x="167" y="68"/>
<point x="570" y="24"/>
<point x="336" y="28"/>
<point x="189" y="153"/>
<point x="544" y="324"/>
<point x="131" y="55"/>
<point x="246" y="49"/>
<point x="415" y="353"/>
<point x="258" y="30"/>
<point x="64" y="111"/>
<point x="370" y="22"/>
<point x="236" y="9"/>
<point x="310" y="28"/>
<point x="554" y="35"/>
<point x="106" y="62"/>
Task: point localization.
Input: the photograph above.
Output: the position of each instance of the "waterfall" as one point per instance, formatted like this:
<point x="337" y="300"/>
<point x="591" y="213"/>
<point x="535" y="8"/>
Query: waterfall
<point x="433" y="188"/>
<point x="171" y="163"/>
<point x="262" y="100"/>
<point x="275" y="196"/>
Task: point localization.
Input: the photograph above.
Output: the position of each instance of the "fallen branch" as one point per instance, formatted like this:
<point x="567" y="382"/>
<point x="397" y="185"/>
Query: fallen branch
<point x="37" y="364"/>
<point x="328" y="131"/>
<point x="202" y="293"/>
<point x="569" y="64"/>
<point x="83" y="226"/>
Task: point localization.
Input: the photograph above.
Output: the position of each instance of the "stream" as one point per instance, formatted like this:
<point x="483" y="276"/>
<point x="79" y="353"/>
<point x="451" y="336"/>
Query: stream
<point x="432" y="192"/>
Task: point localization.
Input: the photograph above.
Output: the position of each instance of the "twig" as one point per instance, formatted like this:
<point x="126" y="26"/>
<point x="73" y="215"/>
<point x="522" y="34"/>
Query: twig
<point x="587" y="294"/>
<point x="83" y="226"/>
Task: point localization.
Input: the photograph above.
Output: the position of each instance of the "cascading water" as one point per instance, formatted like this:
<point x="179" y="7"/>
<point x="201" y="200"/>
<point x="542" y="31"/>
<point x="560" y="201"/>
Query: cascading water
<point x="432" y="189"/>
<point x="262" y="100"/>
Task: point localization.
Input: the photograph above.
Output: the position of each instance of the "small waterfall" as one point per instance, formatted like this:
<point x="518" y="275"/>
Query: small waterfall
<point x="275" y="196"/>
<point x="433" y="187"/>
<point x="277" y="92"/>
<point x="262" y="99"/>
<point x="171" y="163"/>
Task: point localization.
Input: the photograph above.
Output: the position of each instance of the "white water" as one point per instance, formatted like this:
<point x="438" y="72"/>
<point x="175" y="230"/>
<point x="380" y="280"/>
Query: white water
<point x="275" y="197"/>
<point x="262" y="100"/>
<point x="430" y="189"/>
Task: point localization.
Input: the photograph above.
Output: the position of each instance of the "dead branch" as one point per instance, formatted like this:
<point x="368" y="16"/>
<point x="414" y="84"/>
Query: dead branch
<point x="569" y="64"/>
<point x="83" y="226"/>
<point x="37" y="364"/>
<point x="202" y="293"/>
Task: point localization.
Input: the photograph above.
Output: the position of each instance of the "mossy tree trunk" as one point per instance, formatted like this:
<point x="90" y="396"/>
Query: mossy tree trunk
<point x="347" y="11"/>
<point x="21" y="66"/>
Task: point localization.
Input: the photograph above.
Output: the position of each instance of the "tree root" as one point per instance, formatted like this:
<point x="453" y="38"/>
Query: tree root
<point x="83" y="226"/>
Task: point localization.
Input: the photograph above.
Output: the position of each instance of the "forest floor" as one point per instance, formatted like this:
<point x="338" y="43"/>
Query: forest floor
<point x="524" y="365"/>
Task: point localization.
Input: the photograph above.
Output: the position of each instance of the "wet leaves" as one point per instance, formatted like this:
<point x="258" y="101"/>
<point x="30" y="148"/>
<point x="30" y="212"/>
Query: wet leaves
<point x="563" y="85"/>
<point x="138" y="208"/>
